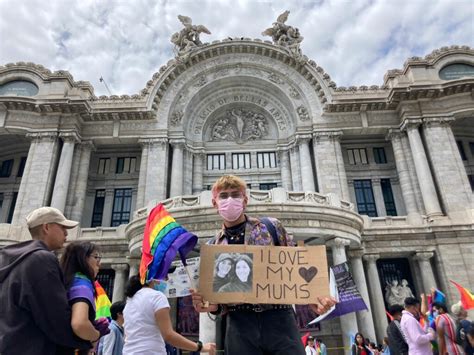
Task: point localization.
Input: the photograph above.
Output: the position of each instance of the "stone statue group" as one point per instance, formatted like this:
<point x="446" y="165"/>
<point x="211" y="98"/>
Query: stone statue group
<point x="396" y="294"/>
<point x="187" y="39"/>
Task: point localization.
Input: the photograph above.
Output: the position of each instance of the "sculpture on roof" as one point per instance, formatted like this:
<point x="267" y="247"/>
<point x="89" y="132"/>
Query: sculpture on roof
<point x="188" y="38"/>
<point x="285" y="35"/>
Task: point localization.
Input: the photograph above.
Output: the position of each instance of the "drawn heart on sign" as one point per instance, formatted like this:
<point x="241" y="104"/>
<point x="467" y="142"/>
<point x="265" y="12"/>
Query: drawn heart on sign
<point x="308" y="274"/>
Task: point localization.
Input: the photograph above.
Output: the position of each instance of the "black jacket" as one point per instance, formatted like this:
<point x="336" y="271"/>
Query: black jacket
<point x="396" y="343"/>
<point x="35" y="317"/>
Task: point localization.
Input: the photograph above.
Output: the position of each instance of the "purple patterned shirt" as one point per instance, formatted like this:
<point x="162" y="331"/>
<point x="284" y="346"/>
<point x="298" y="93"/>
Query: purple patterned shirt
<point x="256" y="233"/>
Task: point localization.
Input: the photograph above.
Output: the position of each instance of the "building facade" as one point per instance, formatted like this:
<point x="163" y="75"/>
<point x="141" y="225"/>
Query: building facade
<point x="383" y="176"/>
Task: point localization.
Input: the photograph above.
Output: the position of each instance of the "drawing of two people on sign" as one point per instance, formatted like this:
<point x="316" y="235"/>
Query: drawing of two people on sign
<point x="233" y="272"/>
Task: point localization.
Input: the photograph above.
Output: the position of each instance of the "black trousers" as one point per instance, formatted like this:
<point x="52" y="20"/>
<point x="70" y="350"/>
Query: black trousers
<point x="272" y="332"/>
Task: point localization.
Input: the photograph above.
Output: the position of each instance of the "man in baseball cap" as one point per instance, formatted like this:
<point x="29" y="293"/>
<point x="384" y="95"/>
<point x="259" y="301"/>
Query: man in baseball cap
<point x="33" y="301"/>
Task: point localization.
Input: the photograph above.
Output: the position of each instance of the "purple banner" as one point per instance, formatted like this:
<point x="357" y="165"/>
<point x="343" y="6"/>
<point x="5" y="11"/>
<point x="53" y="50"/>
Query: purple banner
<point x="350" y="299"/>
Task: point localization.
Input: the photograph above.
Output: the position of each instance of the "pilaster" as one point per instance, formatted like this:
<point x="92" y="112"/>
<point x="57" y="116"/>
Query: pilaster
<point x="330" y="170"/>
<point x="423" y="172"/>
<point x="36" y="184"/>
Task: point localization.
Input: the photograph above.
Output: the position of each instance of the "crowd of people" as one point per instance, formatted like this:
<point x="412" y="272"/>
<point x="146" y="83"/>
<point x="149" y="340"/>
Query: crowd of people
<point x="48" y="307"/>
<point x="414" y="330"/>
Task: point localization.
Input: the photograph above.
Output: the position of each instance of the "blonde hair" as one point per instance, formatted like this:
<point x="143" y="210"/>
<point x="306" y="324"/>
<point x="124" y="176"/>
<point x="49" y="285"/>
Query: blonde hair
<point x="457" y="309"/>
<point x="228" y="182"/>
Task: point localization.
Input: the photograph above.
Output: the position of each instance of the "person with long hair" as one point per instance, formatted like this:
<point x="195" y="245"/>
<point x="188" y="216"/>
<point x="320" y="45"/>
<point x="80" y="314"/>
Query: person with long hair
<point x="241" y="280"/>
<point x="359" y="347"/>
<point x="222" y="272"/>
<point x="148" y="323"/>
<point x="80" y="263"/>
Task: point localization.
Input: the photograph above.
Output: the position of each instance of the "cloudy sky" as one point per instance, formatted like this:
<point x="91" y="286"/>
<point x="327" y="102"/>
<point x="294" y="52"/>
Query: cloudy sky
<point x="126" y="41"/>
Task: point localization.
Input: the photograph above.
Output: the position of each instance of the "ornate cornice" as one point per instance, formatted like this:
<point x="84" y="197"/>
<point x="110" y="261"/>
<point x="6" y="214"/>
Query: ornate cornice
<point x="428" y="60"/>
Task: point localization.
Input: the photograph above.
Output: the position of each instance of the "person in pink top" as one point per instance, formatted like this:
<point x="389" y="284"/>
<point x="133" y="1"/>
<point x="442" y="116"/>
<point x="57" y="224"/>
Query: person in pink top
<point x="417" y="337"/>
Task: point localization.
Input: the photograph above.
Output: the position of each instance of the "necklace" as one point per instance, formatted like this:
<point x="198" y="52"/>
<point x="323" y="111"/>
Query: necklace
<point x="236" y="234"/>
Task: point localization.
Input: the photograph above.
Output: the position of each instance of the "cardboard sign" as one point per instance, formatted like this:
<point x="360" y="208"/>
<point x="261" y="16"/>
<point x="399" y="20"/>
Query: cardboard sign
<point x="256" y="274"/>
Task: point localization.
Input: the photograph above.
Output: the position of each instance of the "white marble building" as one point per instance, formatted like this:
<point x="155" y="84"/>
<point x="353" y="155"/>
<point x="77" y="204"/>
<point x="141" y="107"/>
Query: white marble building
<point x="383" y="176"/>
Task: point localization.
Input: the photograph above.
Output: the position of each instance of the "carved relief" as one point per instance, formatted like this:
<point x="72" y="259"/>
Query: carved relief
<point x="294" y="93"/>
<point x="201" y="81"/>
<point x="176" y="117"/>
<point x="303" y="113"/>
<point x="275" y="78"/>
<point x="240" y="125"/>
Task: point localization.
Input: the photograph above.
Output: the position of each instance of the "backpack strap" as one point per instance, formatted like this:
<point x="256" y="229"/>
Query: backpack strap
<point x="271" y="229"/>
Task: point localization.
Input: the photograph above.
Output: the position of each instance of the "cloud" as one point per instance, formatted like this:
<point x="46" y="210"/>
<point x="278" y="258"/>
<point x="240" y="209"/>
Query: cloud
<point x="125" y="42"/>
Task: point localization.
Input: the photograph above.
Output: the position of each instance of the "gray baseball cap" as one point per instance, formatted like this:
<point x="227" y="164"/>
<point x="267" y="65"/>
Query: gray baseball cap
<point x="44" y="215"/>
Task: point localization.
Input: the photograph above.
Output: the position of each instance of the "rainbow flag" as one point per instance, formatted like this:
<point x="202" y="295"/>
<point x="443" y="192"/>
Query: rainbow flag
<point x="102" y="302"/>
<point x="467" y="298"/>
<point x="163" y="238"/>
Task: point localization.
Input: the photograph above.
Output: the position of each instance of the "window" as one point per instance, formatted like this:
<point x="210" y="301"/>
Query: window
<point x="21" y="168"/>
<point x="241" y="161"/>
<point x="266" y="160"/>
<point x="6" y="169"/>
<point x="122" y="207"/>
<point x="379" y="156"/>
<point x="388" y="197"/>
<point x="98" y="210"/>
<point x="104" y="166"/>
<point x="461" y="150"/>
<point x="365" y="197"/>
<point x="126" y="165"/>
<point x="216" y="162"/>
<point x="267" y="186"/>
<point x="357" y="156"/>
<point x="471" y="146"/>
<point x="12" y="207"/>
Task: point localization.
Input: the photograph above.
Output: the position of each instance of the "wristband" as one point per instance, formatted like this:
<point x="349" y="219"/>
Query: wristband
<point x="199" y="344"/>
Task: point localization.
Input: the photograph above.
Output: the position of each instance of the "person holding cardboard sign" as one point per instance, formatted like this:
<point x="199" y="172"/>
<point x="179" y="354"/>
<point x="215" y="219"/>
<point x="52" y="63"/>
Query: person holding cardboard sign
<point x="253" y="328"/>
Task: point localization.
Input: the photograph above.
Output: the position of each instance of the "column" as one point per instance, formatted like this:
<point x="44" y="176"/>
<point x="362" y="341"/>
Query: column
<point x="6" y="205"/>
<point x="155" y="176"/>
<point x="207" y="329"/>
<point x="134" y="266"/>
<point x="286" y="182"/>
<point x="295" y="169"/>
<point x="403" y="171"/>
<point x="142" y="175"/>
<point x="428" y="278"/>
<point x="448" y="167"/>
<point x="348" y="321"/>
<point x="81" y="181"/>
<point x="63" y="173"/>
<point x="307" y="176"/>
<point x="330" y="170"/>
<point x="425" y="179"/>
<point x="108" y="206"/>
<point x="376" y="296"/>
<point x="176" y="188"/>
<point x="119" y="282"/>
<point x="198" y="167"/>
<point x="378" y="197"/>
<point x="364" y="318"/>
<point x="37" y="182"/>
<point x="188" y="173"/>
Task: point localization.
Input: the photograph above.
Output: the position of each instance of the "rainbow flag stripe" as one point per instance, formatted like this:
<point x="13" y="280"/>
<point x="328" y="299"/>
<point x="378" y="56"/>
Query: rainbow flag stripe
<point x="102" y="302"/>
<point x="163" y="238"/>
<point x="467" y="298"/>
